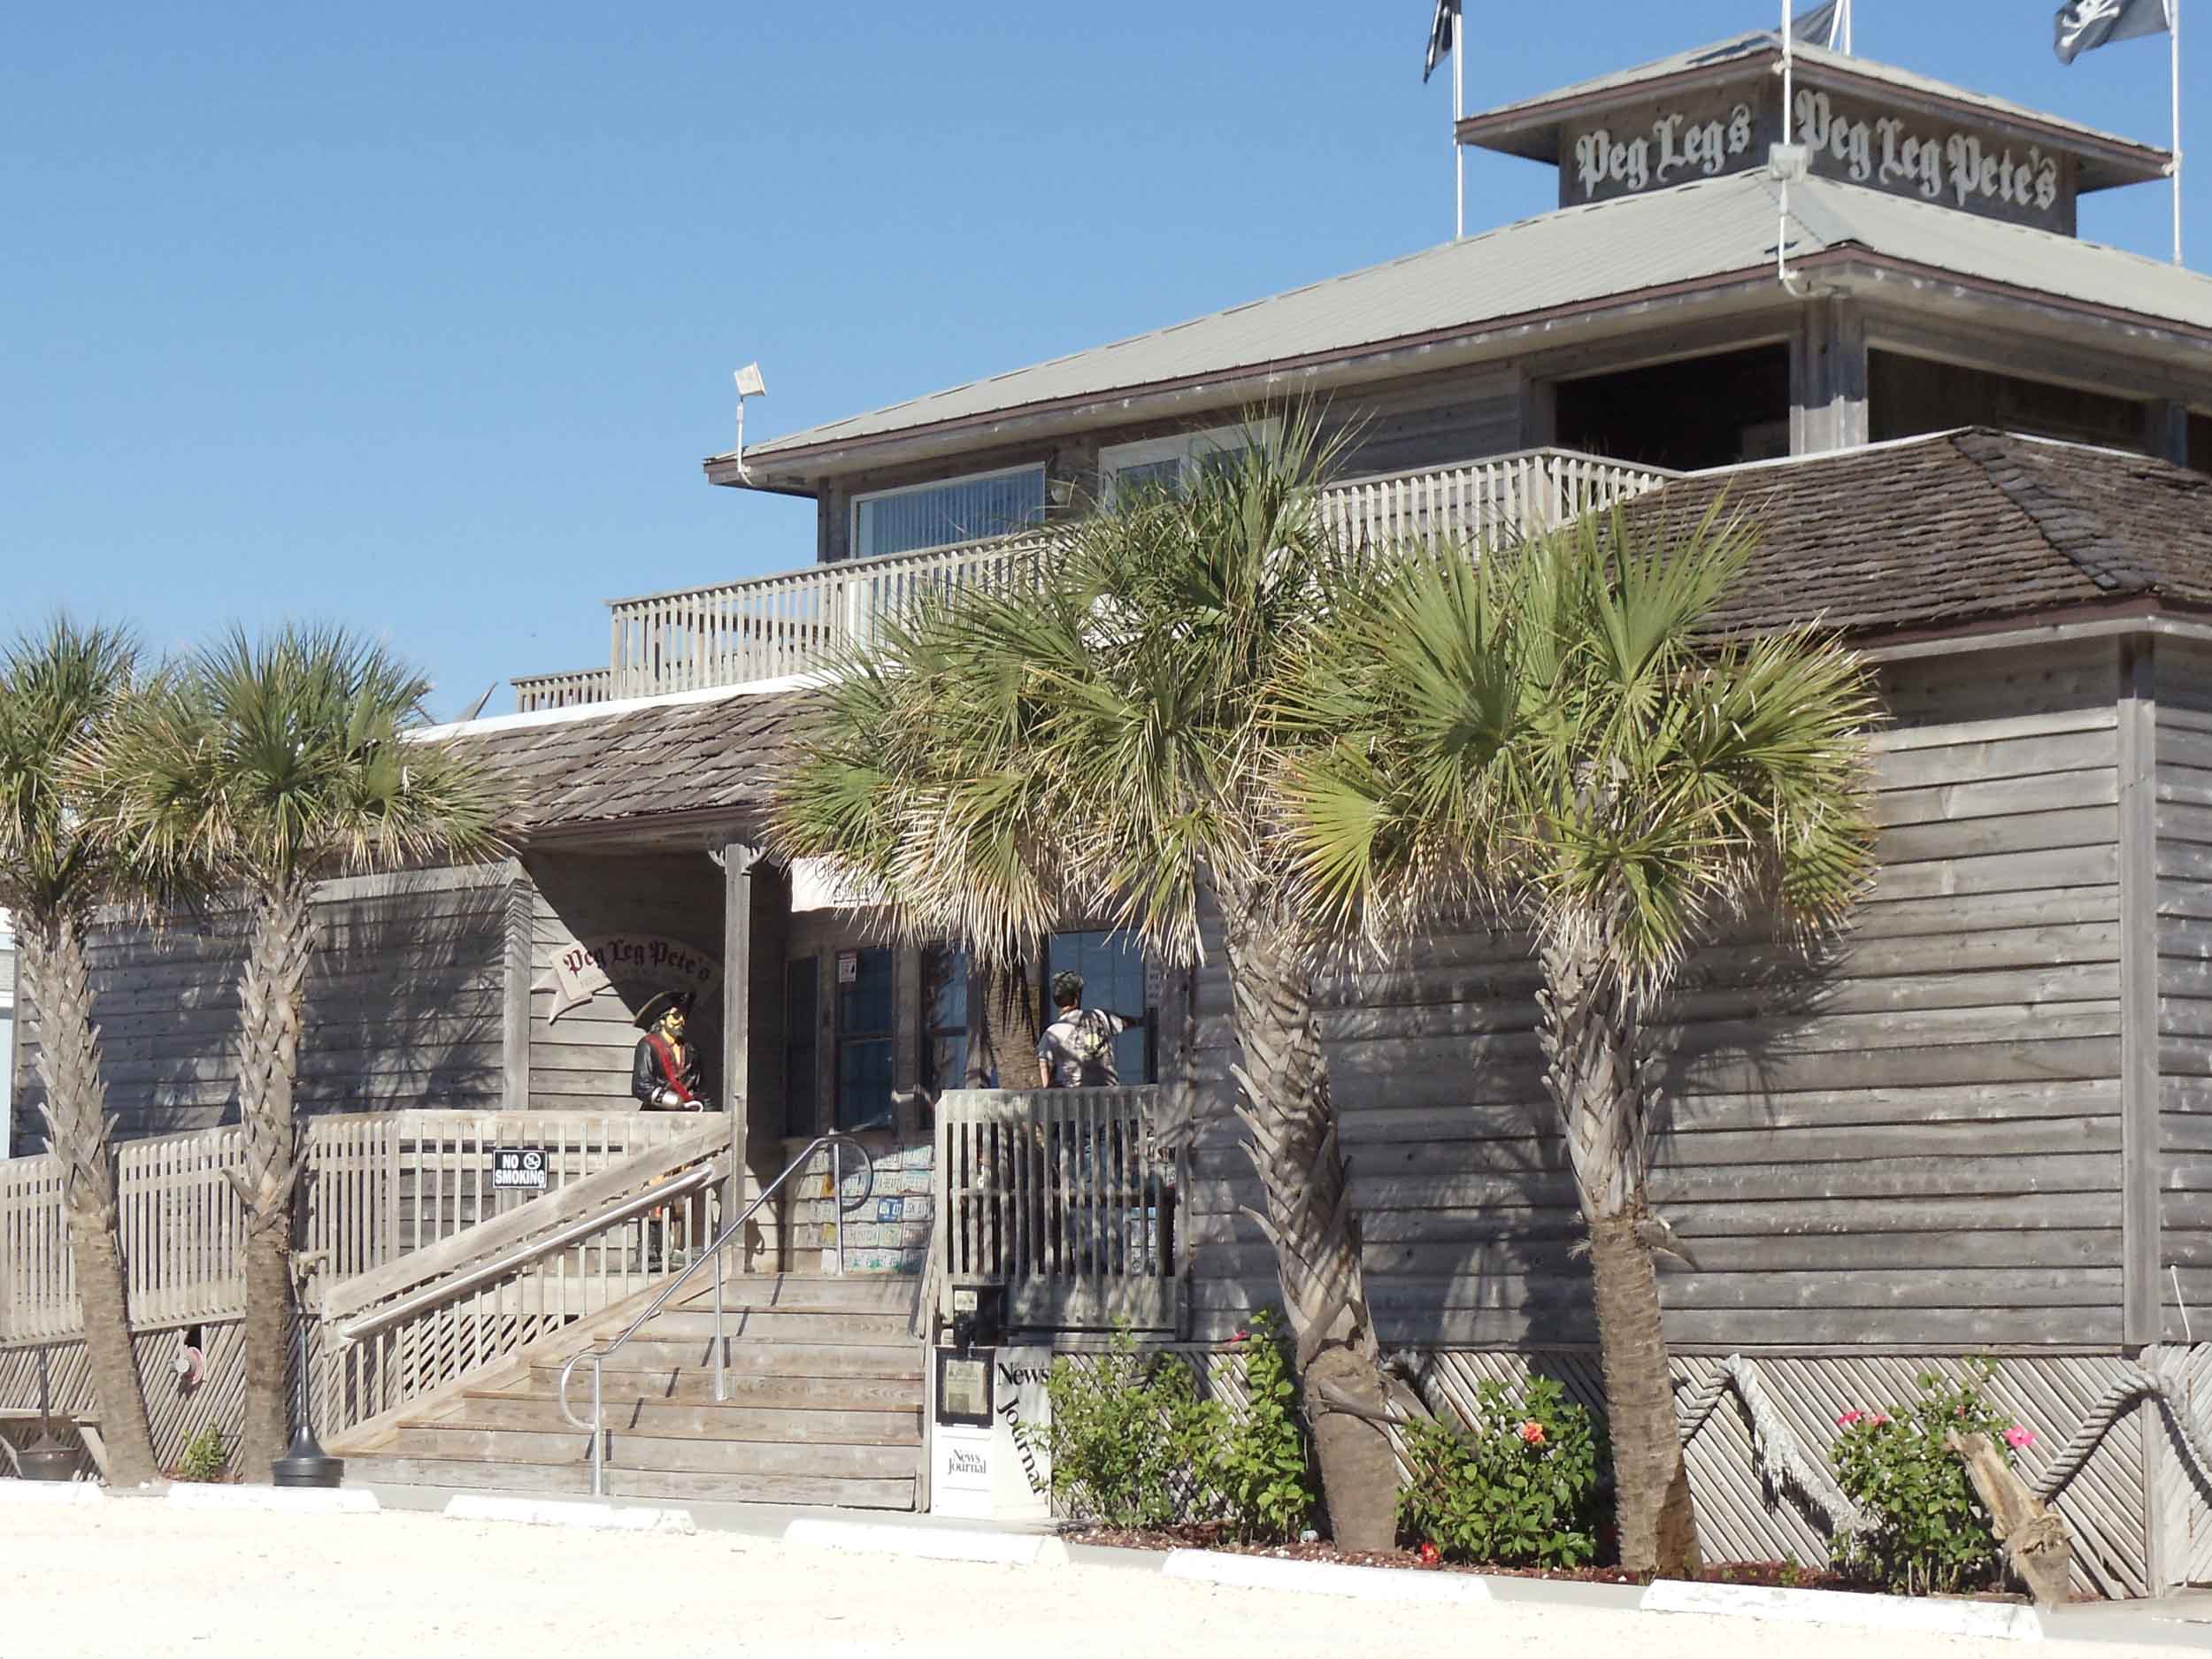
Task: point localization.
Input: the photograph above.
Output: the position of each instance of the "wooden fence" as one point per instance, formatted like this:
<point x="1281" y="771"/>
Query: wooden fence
<point x="1060" y="1196"/>
<point x="379" y="1187"/>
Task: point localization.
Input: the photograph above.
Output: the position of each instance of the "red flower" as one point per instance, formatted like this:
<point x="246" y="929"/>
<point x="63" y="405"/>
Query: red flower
<point x="1532" y="1431"/>
<point x="1239" y="1337"/>
<point x="1429" y="1556"/>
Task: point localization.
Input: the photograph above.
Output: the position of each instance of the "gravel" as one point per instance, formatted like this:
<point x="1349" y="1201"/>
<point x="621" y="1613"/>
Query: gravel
<point x="136" y="1577"/>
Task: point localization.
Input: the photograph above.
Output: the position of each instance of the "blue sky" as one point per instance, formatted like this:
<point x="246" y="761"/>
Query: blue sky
<point x="421" y="318"/>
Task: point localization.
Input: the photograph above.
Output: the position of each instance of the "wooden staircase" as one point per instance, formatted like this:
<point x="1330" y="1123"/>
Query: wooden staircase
<point x="824" y="1406"/>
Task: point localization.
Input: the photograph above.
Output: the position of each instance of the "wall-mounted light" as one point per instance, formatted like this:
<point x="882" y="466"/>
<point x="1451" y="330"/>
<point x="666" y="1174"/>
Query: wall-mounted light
<point x="751" y="383"/>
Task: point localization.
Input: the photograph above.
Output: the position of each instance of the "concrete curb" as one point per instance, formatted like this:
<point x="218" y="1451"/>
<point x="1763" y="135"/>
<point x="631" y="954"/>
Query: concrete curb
<point x="1324" y="1578"/>
<point x="932" y="1543"/>
<point x="37" y="1492"/>
<point x="284" y="1499"/>
<point x="1936" y="1617"/>
<point x="555" y="1512"/>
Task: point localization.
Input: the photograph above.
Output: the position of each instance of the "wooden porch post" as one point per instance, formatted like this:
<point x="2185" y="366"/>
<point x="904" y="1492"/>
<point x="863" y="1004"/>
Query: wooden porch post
<point x="1828" y="378"/>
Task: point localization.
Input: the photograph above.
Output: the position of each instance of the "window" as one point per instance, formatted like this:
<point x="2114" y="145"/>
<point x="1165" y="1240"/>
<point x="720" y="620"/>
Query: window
<point x="1170" y="463"/>
<point x="801" y="989"/>
<point x="1112" y="966"/>
<point x="938" y="515"/>
<point x="865" y="1045"/>
<point x="944" y="1021"/>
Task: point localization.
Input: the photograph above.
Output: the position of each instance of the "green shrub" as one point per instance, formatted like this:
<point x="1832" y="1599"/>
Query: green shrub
<point x="1522" y="1487"/>
<point x="1930" y="1533"/>
<point x="206" y="1458"/>
<point x="1261" y="1472"/>
<point x="1131" y="1442"/>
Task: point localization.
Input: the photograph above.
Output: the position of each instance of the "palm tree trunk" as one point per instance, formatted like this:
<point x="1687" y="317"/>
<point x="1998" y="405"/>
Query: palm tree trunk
<point x="60" y="983"/>
<point x="1006" y="1031"/>
<point x="1283" y="1102"/>
<point x="1604" y="1089"/>
<point x="273" y="997"/>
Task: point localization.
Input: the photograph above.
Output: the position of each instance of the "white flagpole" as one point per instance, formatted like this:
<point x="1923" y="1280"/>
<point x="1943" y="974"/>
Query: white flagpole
<point x="2173" y="28"/>
<point x="1846" y="27"/>
<point x="1459" y="113"/>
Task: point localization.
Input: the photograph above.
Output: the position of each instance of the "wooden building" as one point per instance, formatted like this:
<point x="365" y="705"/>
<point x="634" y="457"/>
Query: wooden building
<point x="1977" y="445"/>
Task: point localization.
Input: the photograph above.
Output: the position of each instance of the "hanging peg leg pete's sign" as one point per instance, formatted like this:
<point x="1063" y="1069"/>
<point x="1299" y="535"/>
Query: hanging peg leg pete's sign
<point x="592" y="965"/>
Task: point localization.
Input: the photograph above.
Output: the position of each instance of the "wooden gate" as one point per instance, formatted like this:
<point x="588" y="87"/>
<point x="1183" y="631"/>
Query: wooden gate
<point x="1060" y="1196"/>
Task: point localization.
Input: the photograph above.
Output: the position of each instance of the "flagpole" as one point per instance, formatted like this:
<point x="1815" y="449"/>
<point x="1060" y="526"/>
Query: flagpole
<point x="1459" y="114"/>
<point x="1846" y="27"/>
<point x="2173" y="30"/>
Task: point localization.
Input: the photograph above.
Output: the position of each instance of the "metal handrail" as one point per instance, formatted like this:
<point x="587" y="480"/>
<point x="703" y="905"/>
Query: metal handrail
<point x="600" y="1353"/>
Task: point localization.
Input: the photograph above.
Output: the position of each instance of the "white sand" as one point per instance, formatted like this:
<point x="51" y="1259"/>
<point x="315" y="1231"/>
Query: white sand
<point x="138" y="1579"/>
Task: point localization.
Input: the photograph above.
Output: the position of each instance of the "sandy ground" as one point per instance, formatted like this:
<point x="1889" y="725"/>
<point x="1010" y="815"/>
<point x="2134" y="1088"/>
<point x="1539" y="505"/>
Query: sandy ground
<point x="138" y="1579"/>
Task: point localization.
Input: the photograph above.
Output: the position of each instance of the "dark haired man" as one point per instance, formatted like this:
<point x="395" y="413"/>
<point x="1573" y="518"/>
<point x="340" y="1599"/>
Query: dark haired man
<point x="1077" y="1049"/>
<point x="664" y="1071"/>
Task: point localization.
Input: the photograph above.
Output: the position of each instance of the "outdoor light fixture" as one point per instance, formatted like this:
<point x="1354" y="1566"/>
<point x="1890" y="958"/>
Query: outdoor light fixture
<point x="304" y="1462"/>
<point x="751" y="383"/>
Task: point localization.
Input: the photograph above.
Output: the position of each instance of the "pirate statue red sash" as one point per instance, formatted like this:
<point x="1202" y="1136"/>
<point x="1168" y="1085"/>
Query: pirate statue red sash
<point x="665" y="1053"/>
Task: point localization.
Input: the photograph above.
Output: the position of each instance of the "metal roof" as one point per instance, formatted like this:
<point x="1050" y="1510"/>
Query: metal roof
<point x="1576" y="258"/>
<point x="1818" y="62"/>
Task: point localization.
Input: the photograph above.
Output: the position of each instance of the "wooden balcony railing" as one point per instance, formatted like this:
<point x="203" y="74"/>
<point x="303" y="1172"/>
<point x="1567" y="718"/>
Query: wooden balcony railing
<point x="771" y="626"/>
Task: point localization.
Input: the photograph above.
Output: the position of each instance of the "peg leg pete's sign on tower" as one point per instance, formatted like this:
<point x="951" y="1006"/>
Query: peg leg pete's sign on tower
<point x="590" y="966"/>
<point x="1730" y="129"/>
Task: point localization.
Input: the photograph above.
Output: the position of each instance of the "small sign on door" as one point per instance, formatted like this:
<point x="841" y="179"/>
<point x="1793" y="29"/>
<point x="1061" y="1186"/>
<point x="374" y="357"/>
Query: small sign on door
<point x="518" y="1168"/>
<point x="849" y="967"/>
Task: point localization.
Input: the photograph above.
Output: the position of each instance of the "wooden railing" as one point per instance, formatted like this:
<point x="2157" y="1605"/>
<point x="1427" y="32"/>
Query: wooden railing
<point x="411" y="1326"/>
<point x="384" y="1184"/>
<point x="570" y="690"/>
<point x="182" y="1229"/>
<point x="772" y="627"/>
<point x="1060" y="1196"/>
<point x="379" y="1187"/>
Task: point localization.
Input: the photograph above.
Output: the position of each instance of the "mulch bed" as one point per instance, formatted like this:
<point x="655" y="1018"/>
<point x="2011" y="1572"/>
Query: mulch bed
<point x="1766" y="1574"/>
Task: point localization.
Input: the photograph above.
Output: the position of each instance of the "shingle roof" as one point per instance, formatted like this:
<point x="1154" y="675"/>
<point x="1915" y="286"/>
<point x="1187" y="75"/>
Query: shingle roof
<point x="645" y="761"/>
<point x="1576" y="257"/>
<point x="1958" y="528"/>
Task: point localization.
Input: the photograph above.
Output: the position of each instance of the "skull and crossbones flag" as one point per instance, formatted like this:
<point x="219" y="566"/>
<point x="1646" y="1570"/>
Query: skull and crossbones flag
<point x="1440" y="33"/>
<point x="2085" y="25"/>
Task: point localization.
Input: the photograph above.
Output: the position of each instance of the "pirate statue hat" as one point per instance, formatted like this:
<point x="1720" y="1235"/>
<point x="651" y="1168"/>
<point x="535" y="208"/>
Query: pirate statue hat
<point x="654" y="1011"/>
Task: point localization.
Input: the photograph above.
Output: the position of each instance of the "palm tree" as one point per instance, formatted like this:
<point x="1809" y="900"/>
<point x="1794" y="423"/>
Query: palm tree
<point x="271" y="765"/>
<point x="1567" y="734"/>
<point x="1102" y="745"/>
<point x="58" y="688"/>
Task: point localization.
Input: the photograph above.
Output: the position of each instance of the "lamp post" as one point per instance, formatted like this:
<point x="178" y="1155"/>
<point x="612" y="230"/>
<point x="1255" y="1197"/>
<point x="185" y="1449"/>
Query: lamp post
<point x="304" y="1462"/>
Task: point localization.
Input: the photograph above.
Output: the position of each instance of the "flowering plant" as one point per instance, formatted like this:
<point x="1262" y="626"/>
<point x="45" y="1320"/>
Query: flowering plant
<point x="1520" y="1487"/>
<point x="1928" y="1531"/>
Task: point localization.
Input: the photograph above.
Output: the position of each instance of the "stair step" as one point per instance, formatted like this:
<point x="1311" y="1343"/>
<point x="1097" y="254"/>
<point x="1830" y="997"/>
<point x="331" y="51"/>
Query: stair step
<point x="662" y="1452"/>
<point x="574" y="1480"/>
<point x="758" y="1358"/>
<point x="825" y="1325"/>
<point x="735" y="1421"/>
<point x="797" y="1292"/>
<point x="694" y="1385"/>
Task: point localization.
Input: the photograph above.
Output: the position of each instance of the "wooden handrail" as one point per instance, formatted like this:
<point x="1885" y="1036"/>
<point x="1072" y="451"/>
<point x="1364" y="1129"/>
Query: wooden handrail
<point x="542" y="1215"/>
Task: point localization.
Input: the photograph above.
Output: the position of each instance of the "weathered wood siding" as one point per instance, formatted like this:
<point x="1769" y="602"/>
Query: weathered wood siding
<point x="2184" y="752"/>
<point x="581" y="1061"/>
<point x="403" y="1006"/>
<point x="1919" y="1146"/>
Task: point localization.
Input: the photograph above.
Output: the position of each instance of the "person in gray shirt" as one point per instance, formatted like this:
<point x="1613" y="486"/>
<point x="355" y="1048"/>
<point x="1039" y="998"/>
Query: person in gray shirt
<point x="1077" y="1049"/>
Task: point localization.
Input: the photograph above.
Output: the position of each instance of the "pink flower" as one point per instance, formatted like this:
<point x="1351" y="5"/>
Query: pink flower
<point x="1848" y="1418"/>
<point x="2016" y="1436"/>
<point x="1239" y="1337"/>
<point x="1880" y="1418"/>
<point x="1532" y="1431"/>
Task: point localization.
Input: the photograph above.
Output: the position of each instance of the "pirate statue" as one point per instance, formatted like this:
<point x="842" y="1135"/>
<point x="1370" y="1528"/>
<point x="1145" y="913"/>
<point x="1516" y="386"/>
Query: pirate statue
<point x="665" y="1075"/>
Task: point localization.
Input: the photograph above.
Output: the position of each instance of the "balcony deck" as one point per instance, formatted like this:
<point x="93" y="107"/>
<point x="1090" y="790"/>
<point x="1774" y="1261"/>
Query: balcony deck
<point x="737" y="632"/>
